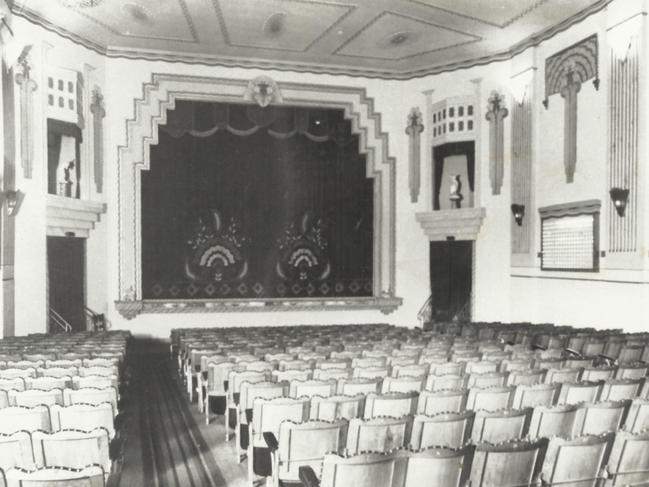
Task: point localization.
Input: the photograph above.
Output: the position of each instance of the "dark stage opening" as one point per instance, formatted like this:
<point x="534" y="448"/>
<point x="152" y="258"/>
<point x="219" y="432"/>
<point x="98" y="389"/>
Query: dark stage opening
<point x="244" y="202"/>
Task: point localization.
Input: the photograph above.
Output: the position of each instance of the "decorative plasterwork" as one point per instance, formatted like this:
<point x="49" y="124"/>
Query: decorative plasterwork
<point x="565" y="72"/>
<point x="414" y="128"/>
<point x="27" y="88"/>
<point x="521" y="170"/>
<point x="460" y="224"/>
<point x="98" y="114"/>
<point x="623" y="144"/>
<point x="496" y="113"/>
<point x="160" y="95"/>
<point x="447" y="60"/>
<point x="67" y="216"/>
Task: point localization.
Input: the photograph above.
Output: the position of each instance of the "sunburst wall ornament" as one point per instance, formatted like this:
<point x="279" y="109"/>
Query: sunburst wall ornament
<point x="80" y="3"/>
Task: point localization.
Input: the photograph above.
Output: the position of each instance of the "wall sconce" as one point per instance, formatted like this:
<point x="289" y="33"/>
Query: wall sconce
<point x="13" y="198"/>
<point x="519" y="212"/>
<point x="620" y="197"/>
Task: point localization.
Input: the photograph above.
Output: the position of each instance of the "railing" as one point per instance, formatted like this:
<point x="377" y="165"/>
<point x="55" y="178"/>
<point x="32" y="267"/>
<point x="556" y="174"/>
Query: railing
<point x="94" y="321"/>
<point x="58" y="323"/>
<point x="425" y="314"/>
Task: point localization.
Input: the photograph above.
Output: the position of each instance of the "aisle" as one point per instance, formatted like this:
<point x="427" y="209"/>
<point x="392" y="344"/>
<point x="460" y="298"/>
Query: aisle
<point x="164" y="445"/>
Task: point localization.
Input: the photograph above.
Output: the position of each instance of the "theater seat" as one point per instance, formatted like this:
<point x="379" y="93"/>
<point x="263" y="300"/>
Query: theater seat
<point x="92" y="476"/>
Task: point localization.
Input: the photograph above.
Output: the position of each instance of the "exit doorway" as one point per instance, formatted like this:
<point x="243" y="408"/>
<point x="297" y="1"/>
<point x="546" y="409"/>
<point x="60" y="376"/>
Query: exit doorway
<point x="66" y="265"/>
<point x="451" y="264"/>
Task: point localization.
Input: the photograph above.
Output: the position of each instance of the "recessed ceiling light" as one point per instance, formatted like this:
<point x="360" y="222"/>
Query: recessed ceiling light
<point x="274" y="25"/>
<point x="340" y="32"/>
<point x="398" y="39"/>
<point x="137" y="12"/>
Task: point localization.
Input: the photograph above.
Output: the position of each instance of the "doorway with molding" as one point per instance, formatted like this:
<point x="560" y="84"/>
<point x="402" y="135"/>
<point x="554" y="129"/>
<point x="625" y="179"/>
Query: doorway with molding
<point x="451" y="265"/>
<point x="66" y="266"/>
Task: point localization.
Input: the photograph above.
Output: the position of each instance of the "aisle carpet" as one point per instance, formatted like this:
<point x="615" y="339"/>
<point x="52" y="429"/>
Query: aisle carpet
<point x="164" y="446"/>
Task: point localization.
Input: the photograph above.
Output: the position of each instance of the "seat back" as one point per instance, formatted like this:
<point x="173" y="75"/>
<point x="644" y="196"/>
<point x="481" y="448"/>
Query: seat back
<point x="620" y="389"/>
<point x="628" y="463"/>
<point x="370" y="372"/>
<point x="305" y="444"/>
<point x="511" y="464"/>
<point x="595" y="374"/>
<point x="92" y="395"/>
<point x="58" y="372"/>
<point x="578" y="461"/>
<point x="433" y="402"/>
<point x="393" y="404"/>
<point x="481" y="367"/>
<point x="365" y="362"/>
<point x="328" y="374"/>
<point x="637" y="419"/>
<point x="364" y="470"/>
<point x="451" y="430"/>
<point x="601" y="417"/>
<point x="499" y="426"/>
<point x="529" y="396"/>
<point x="632" y="371"/>
<point x="294" y="364"/>
<point x="98" y="381"/>
<point x="289" y="375"/>
<point x="378" y="434"/>
<point x="490" y="399"/>
<point x="72" y="448"/>
<point x="527" y="377"/>
<point x="578" y="392"/>
<point x="34" y="397"/>
<point x="16" y="450"/>
<point x="337" y="407"/>
<point x="548" y="421"/>
<point x="352" y="387"/>
<point x="85" y="417"/>
<point x="92" y="476"/>
<point x="17" y="418"/>
<point x="254" y="390"/>
<point x="237" y="377"/>
<point x="310" y="388"/>
<point x="403" y="384"/>
<point x="555" y="375"/>
<point x="412" y="370"/>
<point x="48" y="383"/>
<point x="16" y="384"/>
<point x="438" y="466"/>
<point x="12" y="373"/>
<point x="217" y="375"/>
<point x="446" y="381"/>
<point x="268" y="414"/>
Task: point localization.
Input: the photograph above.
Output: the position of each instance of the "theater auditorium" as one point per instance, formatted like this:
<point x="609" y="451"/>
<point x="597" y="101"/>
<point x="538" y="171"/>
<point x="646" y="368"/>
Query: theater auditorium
<point x="324" y="243"/>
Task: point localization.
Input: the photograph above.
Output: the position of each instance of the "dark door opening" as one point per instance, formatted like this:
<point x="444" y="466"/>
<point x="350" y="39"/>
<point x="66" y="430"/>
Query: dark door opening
<point x="66" y="258"/>
<point x="450" y="280"/>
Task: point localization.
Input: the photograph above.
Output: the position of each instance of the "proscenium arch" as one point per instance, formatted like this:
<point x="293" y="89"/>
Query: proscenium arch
<point x="160" y="95"/>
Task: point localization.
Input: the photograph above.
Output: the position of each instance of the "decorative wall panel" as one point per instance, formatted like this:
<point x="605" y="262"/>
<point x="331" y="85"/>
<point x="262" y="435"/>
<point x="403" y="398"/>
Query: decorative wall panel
<point x="565" y="72"/>
<point x="98" y="114"/>
<point x="27" y="88"/>
<point x="623" y="146"/>
<point x="496" y="113"/>
<point x="521" y="175"/>
<point x="414" y="128"/>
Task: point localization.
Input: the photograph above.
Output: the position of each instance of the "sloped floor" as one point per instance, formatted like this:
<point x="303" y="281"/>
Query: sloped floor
<point x="167" y="443"/>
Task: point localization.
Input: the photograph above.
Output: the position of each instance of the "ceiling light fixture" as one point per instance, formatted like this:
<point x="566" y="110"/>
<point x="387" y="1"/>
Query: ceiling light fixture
<point x="80" y="3"/>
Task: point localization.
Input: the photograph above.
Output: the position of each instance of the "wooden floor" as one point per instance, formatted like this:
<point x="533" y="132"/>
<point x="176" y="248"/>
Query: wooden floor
<point x="167" y="443"/>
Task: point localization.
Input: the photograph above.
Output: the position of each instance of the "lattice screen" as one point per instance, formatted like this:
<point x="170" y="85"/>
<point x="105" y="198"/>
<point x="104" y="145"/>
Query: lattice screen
<point x="569" y="243"/>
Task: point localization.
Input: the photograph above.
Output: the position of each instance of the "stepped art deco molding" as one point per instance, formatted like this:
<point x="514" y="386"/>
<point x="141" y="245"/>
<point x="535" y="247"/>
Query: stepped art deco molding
<point x="150" y="111"/>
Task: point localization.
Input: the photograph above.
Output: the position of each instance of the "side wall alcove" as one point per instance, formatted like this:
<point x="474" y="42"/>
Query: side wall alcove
<point x="159" y="96"/>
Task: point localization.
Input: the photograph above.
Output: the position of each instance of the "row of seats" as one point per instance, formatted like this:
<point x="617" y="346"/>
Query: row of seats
<point x="59" y="408"/>
<point x="563" y="381"/>
<point x="610" y="460"/>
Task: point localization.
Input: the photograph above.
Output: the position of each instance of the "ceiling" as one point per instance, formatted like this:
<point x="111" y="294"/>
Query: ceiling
<point x="376" y="38"/>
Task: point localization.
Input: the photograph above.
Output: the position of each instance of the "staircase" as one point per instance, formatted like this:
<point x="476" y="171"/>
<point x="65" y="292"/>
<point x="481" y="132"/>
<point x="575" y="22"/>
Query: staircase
<point x="95" y="321"/>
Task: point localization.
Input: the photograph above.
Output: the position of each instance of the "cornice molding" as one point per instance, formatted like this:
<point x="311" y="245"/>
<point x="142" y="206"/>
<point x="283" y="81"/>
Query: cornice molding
<point x="334" y="70"/>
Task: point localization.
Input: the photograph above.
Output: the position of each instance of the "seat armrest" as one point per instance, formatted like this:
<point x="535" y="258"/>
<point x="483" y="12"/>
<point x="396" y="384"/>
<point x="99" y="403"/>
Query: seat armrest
<point x="308" y="477"/>
<point x="270" y="440"/>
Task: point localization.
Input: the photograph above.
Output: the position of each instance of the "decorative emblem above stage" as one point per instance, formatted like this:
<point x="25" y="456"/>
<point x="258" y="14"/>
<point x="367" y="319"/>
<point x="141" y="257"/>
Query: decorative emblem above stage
<point x="314" y="281"/>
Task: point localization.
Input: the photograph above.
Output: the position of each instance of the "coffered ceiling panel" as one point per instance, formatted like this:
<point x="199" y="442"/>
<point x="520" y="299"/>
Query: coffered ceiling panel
<point x="397" y="36"/>
<point x="499" y="13"/>
<point x="291" y="25"/>
<point x="396" y="39"/>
